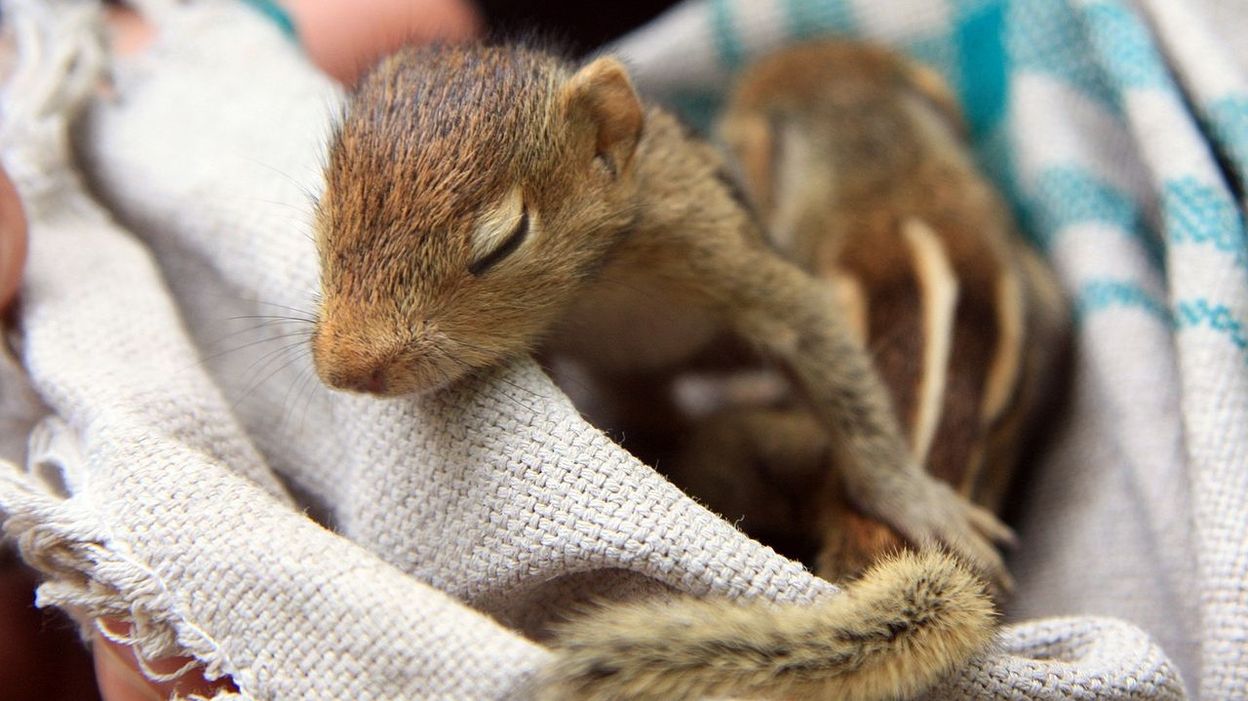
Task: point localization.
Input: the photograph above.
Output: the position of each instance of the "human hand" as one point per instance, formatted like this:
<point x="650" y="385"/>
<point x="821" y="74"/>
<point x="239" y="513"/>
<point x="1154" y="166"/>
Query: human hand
<point x="12" y="240"/>
<point x="119" y="679"/>
<point x="345" y="38"/>
<point x="38" y="661"/>
<point x="35" y="656"/>
<point x="342" y="37"/>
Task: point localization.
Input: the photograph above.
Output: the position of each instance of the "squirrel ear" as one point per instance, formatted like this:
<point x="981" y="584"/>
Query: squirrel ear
<point x="601" y="97"/>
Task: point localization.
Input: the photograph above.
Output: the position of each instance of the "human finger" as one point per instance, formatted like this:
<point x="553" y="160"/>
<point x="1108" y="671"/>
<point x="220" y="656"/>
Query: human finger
<point x="12" y="240"/>
<point x="345" y="38"/>
<point x="119" y="679"/>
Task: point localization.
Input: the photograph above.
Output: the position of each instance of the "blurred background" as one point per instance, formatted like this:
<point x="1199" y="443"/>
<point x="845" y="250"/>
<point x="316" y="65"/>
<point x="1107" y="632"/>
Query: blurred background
<point x="582" y="26"/>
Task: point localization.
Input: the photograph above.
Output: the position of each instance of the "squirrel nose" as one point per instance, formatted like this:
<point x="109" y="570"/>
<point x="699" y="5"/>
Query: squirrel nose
<point x="356" y="374"/>
<point x="359" y="362"/>
<point x="376" y="381"/>
<point x="369" y="380"/>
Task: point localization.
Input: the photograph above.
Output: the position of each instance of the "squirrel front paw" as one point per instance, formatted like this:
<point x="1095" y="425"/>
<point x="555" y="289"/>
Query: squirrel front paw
<point x="928" y="513"/>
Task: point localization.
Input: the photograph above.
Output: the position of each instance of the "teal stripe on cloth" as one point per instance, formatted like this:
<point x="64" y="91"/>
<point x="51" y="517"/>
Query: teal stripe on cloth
<point x="1207" y="314"/>
<point x="967" y="7"/>
<point x="805" y="18"/>
<point x="697" y="109"/>
<point x="1068" y="195"/>
<point x="1125" y="47"/>
<point x="1104" y="294"/>
<point x="1227" y="124"/>
<point x="983" y="64"/>
<point x="724" y="32"/>
<point x="278" y="15"/>
<point x="1199" y="214"/>
<point x="1048" y="37"/>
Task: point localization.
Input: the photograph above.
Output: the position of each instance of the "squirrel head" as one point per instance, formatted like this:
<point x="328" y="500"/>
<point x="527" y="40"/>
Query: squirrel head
<point x="832" y="115"/>
<point x="469" y="193"/>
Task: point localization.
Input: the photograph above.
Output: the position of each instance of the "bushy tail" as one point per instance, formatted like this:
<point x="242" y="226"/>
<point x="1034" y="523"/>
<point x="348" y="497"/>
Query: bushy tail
<point x="893" y="633"/>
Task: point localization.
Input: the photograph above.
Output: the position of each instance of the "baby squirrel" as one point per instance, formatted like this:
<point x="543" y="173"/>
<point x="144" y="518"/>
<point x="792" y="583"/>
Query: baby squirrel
<point x="482" y="202"/>
<point x="856" y="162"/>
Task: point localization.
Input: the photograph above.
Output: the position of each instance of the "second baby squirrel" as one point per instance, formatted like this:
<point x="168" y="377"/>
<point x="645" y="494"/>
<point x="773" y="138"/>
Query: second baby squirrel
<point x="857" y="164"/>
<point x="482" y="202"/>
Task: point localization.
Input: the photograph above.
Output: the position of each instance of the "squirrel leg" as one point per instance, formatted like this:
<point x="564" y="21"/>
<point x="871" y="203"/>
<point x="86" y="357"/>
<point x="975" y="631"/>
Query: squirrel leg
<point x="767" y="470"/>
<point x="757" y="467"/>
<point x="796" y="320"/>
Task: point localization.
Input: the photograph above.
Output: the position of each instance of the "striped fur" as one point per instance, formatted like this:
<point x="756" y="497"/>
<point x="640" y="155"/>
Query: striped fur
<point x="962" y="320"/>
<point x="938" y="299"/>
<point x="890" y="635"/>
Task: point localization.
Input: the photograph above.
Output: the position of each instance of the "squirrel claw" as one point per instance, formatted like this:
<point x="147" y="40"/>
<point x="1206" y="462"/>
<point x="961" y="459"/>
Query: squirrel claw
<point x="988" y="524"/>
<point x="934" y="515"/>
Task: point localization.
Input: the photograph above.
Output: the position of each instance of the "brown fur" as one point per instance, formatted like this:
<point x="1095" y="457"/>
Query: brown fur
<point x="845" y="647"/>
<point x="407" y="178"/>
<point x="875" y="143"/>
<point x="638" y="258"/>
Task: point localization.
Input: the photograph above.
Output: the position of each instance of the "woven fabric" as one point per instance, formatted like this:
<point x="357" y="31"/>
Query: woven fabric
<point x="184" y="448"/>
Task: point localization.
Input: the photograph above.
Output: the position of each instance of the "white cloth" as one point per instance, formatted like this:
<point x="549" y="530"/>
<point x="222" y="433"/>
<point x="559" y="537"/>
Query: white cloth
<point x="186" y="444"/>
